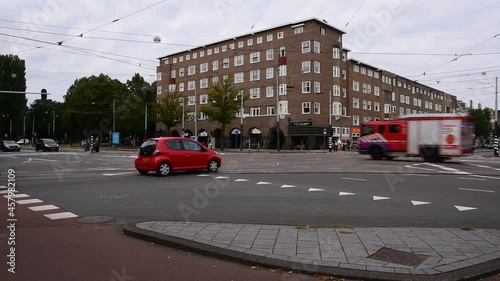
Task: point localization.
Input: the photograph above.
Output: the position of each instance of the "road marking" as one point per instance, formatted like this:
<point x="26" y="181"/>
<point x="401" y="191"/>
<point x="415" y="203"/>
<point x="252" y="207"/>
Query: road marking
<point x="414" y="167"/>
<point x="417" y="175"/>
<point x="28" y="201"/>
<point x="316" y="189"/>
<point x="118" y="174"/>
<point x="376" y="198"/>
<point x="21" y="195"/>
<point x="221" y="177"/>
<point x="301" y="166"/>
<point x="483" y="166"/>
<point x="203" y="175"/>
<point x="43" y="208"/>
<point x="3" y="187"/>
<point x="287" y="186"/>
<point x="376" y="172"/>
<point x="486" y="177"/>
<point x="418" y="203"/>
<point x="6" y="191"/>
<point x="58" y="216"/>
<point x="448" y="169"/>
<point x="240" y="180"/>
<point x="270" y="165"/>
<point x="263" y="182"/>
<point x="346" y="193"/>
<point x="353" y="179"/>
<point x="48" y="160"/>
<point x="478" y="190"/>
<point x="472" y="179"/>
<point x="462" y="208"/>
<point x="29" y="160"/>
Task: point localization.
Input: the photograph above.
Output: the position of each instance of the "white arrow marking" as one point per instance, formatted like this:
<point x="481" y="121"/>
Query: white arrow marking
<point x="346" y="193"/>
<point x="29" y="160"/>
<point x="417" y="203"/>
<point x="462" y="208"/>
<point x="221" y="177"/>
<point x="287" y="186"/>
<point x="203" y="175"/>
<point x="316" y="189"/>
<point x="353" y="179"/>
<point x="240" y="180"/>
<point x="118" y="174"/>
<point x="263" y="182"/>
<point x="380" y="198"/>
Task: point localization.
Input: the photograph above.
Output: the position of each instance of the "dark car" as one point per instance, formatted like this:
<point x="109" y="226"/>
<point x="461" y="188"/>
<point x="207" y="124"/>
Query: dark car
<point x="169" y="154"/>
<point x="46" y="145"/>
<point x="9" y="145"/>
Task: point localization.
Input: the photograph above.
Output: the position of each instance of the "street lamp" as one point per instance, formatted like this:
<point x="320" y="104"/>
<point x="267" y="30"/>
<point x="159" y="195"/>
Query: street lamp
<point x="10" y="124"/>
<point x="496" y="103"/>
<point x="241" y="120"/>
<point x="182" y="104"/>
<point x="277" y="110"/>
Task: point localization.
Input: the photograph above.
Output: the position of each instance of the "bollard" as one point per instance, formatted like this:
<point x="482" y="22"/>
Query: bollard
<point x="258" y="146"/>
<point x="249" y="144"/>
<point x="330" y="144"/>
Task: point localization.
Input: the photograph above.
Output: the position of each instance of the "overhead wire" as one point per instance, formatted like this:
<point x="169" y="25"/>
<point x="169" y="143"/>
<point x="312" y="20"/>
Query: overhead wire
<point x="355" y="13"/>
<point x="268" y="2"/>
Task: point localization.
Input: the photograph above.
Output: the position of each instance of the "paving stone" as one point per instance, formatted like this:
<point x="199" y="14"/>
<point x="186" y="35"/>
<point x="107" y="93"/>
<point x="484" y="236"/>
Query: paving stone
<point x="455" y="255"/>
<point x="445" y="261"/>
<point x="435" y="242"/>
<point x="279" y="245"/>
<point x="266" y="242"/>
<point x="334" y="259"/>
<point x="310" y="244"/>
<point x="309" y="256"/>
<point x="305" y="250"/>
<point x="291" y="253"/>
<point x="257" y="252"/>
<point x="491" y="256"/>
<point x="266" y="236"/>
<point x="326" y="263"/>
<point x="476" y="260"/>
<point x="352" y="266"/>
<point x="446" y="268"/>
<point x="398" y="266"/>
<point x="417" y="272"/>
<point x="443" y="248"/>
<point x="402" y="271"/>
<point x="431" y="271"/>
<point x="373" y="262"/>
<point x="218" y="244"/>
<point x="278" y="257"/>
<point x="246" y="246"/>
<point x="379" y="268"/>
<point x="236" y="248"/>
<point x="301" y="260"/>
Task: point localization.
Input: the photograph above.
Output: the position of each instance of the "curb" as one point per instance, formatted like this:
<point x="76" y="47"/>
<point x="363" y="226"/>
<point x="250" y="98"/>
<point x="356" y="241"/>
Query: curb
<point x="469" y="273"/>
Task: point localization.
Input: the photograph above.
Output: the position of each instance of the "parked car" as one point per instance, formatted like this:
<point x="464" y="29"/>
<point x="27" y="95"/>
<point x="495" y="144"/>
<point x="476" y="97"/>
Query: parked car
<point x="23" y="141"/>
<point x="46" y="145"/>
<point x="170" y="154"/>
<point x="9" y="145"/>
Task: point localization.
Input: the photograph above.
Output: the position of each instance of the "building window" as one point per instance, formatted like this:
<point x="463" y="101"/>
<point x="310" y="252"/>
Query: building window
<point x="192" y="70"/>
<point x="376" y="106"/>
<point x="238" y="60"/>
<point x="224" y="48"/>
<point x="336" y="91"/>
<point x="254" y="75"/>
<point x="215" y="65"/>
<point x="317" y="47"/>
<point x="282" y="51"/>
<point x="298" y="30"/>
<point x="191" y="85"/>
<point x="355" y="120"/>
<point x="306" y="87"/>
<point x="255" y="93"/>
<point x="317" y="67"/>
<point x="376" y="75"/>
<point x="370" y="73"/>
<point x="367" y="88"/>
<point x="188" y="57"/>
<point x="355" y="86"/>
<point x="282" y="70"/>
<point x="364" y="104"/>
<point x="376" y="90"/>
<point x="306" y="66"/>
<point x="270" y="54"/>
<point x="215" y="80"/>
<point x="204" y="67"/>
<point x="209" y="52"/>
<point x="344" y="74"/>
<point x="259" y="40"/>
<point x="317" y="106"/>
<point x="363" y="70"/>
<point x="181" y="72"/>
<point x="270" y="110"/>
<point x="368" y="105"/>
<point x="355" y="68"/>
<point x="238" y="77"/>
<point x="387" y="108"/>
<point x="336" y="108"/>
<point x="204" y="83"/>
<point x="269" y="91"/>
<point x="195" y="55"/>
<point x="344" y="56"/>
<point x="249" y="42"/>
<point x="317" y="87"/>
<point x="344" y="92"/>
<point x="283" y="107"/>
<point x="336" y="71"/>
<point x="306" y="107"/>
<point x="172" y="73"/>
<point x="306" y="46"/>
<point x="254" y="111"/>
<point x="355" y="103"/>
<point x="282" y="90"/>
<point x="225" y="63"/>
<point x="158" y="76"/>
<point x="269" y="37"/>
<point x="203" y="99"/>
<point x="203" y="116"/>
<point x="191" y="100"/>
<point x="181" y="59"/>
<point x="241" y="44"/>
<point x="322" y="31"/>
<point x="181" y="87"/>
<point x="174" y="60"/>
<point x="171" y="88"/>
<point x="279" y="35"/>
<point x="255" y="57"/>
<point x="216" y="50"/>
<point x="269" y="73"/>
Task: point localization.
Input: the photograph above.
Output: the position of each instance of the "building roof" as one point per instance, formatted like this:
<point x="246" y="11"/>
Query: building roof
<point x="259" y="31"/>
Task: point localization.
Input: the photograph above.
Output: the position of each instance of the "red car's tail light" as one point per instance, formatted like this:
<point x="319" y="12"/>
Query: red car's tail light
<point x="156" y="152"/>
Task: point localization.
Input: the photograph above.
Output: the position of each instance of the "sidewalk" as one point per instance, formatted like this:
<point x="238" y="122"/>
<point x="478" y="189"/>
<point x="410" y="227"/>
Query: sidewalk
<point x="378" y="253"/>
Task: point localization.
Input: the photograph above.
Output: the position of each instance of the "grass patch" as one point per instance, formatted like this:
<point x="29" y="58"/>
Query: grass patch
<point x="302" y="227"/>
<point x="345" y="232"/>
<point x="467" y="228"/>
<point x="340" y="226"/>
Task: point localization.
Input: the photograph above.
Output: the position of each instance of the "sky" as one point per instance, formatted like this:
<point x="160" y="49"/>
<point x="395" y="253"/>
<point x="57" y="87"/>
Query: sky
<point x="456" y="43"/>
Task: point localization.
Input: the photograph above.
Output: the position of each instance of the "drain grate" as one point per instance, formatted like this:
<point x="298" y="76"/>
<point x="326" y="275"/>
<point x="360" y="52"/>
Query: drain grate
<point x="95" y="219"/>
<point x="399" y="257"/>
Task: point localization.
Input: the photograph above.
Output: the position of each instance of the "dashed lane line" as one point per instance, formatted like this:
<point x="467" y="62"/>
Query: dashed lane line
<point x="477" y="190"/>
<point x="353" y="179"/>
<point x="472" y="179"/>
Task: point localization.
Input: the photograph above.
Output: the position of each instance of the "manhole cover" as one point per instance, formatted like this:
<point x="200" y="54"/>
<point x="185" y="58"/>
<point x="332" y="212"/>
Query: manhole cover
<point x="95" y="219"/>
<point x="398" y="257"/>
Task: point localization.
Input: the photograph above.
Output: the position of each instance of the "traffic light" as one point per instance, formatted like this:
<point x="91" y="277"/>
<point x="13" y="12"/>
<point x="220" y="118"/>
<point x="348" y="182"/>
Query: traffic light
<point x="44" y="94"/>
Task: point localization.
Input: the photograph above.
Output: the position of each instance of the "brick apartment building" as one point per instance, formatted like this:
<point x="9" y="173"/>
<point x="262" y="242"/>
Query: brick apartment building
<point x="296" y="70"/>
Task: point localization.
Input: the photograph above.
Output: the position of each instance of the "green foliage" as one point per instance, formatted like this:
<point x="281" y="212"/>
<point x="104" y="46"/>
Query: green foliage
<point x="482" y="122"/>
<point x="169" y="111"/>
<point x="12" y="106"/>
<point x="225" y="104"/>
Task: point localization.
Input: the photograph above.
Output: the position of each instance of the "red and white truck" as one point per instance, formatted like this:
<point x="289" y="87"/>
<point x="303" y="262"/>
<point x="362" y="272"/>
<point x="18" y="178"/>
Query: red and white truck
<point x="434" y="137"/>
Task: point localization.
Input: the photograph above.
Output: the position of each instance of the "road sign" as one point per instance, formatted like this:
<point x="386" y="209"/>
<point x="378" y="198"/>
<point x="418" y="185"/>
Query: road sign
<point x="236" y="132"/>
<point x="116" y="138"/>
<point x="324" y="131"/>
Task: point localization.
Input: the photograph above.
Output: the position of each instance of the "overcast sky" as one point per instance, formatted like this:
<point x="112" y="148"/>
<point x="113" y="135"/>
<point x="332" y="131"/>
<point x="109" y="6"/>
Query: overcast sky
<point x="407" y="37"/>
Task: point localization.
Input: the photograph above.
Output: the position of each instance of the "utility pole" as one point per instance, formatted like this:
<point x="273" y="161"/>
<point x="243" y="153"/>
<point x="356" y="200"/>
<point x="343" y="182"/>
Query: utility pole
<point x="496" y="106"/>
<point x="146" y="122"/>
<point x="330" y="131"/>
<point x="277" y="110"/>
<point x="241" y="120"/>
<point x="195" y="114"/>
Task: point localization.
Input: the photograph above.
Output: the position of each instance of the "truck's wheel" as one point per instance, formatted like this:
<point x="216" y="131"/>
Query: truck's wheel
<point x="376" y="153"/>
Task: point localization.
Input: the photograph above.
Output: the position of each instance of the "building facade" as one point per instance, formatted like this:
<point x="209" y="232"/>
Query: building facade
<point x="300" y="83"/>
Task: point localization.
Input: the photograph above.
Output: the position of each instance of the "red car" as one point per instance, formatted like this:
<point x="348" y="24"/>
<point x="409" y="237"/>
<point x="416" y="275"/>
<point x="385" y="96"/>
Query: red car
<point x="169" y="154"/>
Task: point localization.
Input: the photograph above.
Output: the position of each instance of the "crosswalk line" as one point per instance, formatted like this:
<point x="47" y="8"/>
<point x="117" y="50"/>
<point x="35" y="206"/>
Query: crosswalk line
<point x="58" y="216"/>
<point x="43" y="208"/>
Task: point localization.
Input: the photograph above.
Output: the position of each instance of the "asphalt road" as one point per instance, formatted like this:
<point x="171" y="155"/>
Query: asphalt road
<point x="315" y="189"/>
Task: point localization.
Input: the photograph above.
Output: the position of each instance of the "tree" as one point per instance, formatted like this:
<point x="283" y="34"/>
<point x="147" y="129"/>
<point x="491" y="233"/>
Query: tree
<point x="169" y="110"/>
<point x="44" y="113"/>
<point x="12" y="106"/>
<point x="482" y="120"/>
<point x="225" y="104"/>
